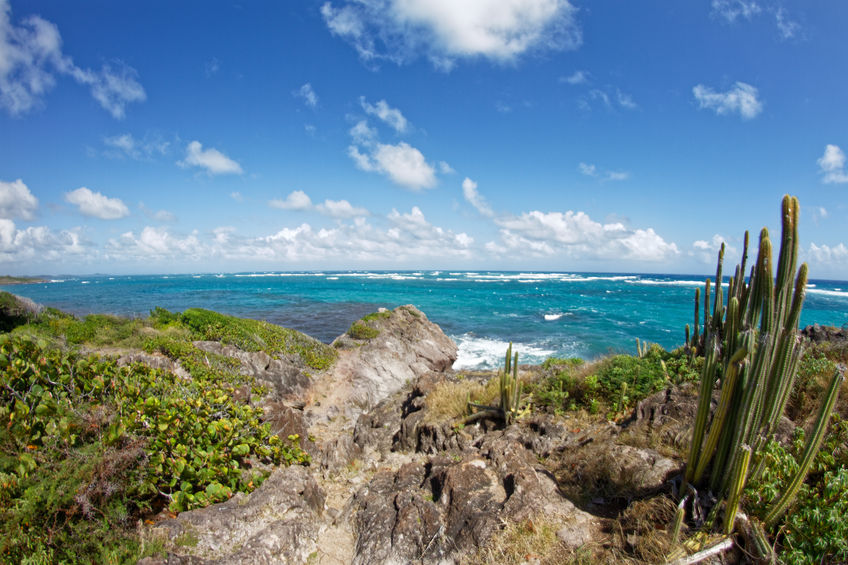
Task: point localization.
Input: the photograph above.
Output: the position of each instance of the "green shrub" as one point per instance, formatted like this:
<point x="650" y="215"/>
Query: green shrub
<point x="815" y="529"/>
<point x="615" y="383"/>
<point x="87" y="447"/>
<point x="257" y="335"/>
<point x="359" y="330"/>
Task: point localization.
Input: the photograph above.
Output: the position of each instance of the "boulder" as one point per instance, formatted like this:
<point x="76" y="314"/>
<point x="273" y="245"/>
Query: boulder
<point x="277" y="523"/>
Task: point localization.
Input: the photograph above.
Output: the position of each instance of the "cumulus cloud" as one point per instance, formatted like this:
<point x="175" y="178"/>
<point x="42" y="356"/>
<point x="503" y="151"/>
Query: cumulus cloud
<point x="827" y="254"/>
<point x="591" y="170"/>
<point x="832" y="165"/>
<point x="389" y="115"/>
<point x="741" y="99"/>
<point x="609" y="98"/>
<point x="156" y="243"/>
<point x="296" y="200"/>
<point x="707" y="251"/>
<point x="212" y="160"/>
<point x="125" y="145"/>
<point x="445" y="30"/>
<point x="37" y="243"/>
<point x="340" y="209"/>
<point x="16" y="201"/>
<point x="299" y="200"/>
<point x="403" y="164"/>
<point x="96" y="205"/>
<point x="307" y="93"/>
<point x="469" y="191"/>
<point x="31" y="58"/>
<point x="576" y="235"/>
<point x="362" y="133"/>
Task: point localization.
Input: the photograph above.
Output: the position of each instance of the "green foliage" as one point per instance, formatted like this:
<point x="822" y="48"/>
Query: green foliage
<point x="257" y="335"/>
<point x="86" y="447"/>
<point x="615" y="383"/>
<point x="815" y="531"/>
<point x="378" y="315"/>
<point x="359" y="330"/>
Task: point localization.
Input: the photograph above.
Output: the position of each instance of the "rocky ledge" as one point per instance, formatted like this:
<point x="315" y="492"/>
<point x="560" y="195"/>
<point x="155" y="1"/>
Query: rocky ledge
<point x="392" y="483"/>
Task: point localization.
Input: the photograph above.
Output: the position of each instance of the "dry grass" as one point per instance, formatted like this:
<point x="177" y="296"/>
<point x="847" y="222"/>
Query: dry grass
<point x="449" y="399"/>
<point x="534" y="541"/>
<point x="645" y="528"/>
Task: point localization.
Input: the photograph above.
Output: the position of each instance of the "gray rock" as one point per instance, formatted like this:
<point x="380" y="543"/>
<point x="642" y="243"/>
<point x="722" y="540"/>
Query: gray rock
<point x="285" y="373"/>
<point x="277" y="523"/>
<point x="408" y="346"/>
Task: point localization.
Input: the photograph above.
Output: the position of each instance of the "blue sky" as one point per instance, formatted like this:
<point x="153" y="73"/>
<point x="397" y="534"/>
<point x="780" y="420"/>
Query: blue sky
<point x="161" y="137"/>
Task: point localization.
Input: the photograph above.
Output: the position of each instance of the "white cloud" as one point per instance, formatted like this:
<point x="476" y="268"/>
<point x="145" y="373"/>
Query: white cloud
<point x="403" y="164"/>
<point x="156" y="243"/>
<point x="164" y="216"/>
<point x="237" y="196"/>
<point x="340" y="209"/>
<point x="16" y="201"/>
<point x="446" y="30"/>
<point x="389" y="115"/>
<point x="215" y="162"/>
<point x="786" y="27"/>
<point x="31" y="58"/>
<point x="832" y="165"/>
<point x="445" y="168"/>
<point x="707" y="251"/>
<point x="37" y="243"/>
<point x="625" y="100"/>
<point x="731" y="10"/>
<point x="362" y="133"/>
<point x="591" y="170"/>
<point x="307" y="93"/>
<point x="576" y="235"/>
<point x="827" y="254"/>
<point x="587" y="169"/>
<point x="125" y="145"/>
<point x="469" y="191"/>
<point x="299" y="200"/>
<point x="575" y="78"/>
<point x="741" y="99"/>
<point x="296" y="200"/>
<point x="113" y="87"/>
<point x="96" y="205"/>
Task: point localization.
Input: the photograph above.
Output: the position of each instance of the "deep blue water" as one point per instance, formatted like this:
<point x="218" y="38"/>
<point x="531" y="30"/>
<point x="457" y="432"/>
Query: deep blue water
<point x="584" y="315"/>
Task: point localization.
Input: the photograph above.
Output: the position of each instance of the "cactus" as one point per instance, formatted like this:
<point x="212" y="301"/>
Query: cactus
<point x="510" y="390"/>
<point x="751" y="346"/>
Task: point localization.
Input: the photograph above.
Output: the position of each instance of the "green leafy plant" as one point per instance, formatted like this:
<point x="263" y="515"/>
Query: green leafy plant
<point x="87" y="446"/>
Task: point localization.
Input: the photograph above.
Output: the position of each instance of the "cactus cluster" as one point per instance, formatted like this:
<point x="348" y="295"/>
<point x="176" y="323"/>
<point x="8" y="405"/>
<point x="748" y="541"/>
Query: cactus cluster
<point x="509" y="388"/>
<point x="751" y="348"/>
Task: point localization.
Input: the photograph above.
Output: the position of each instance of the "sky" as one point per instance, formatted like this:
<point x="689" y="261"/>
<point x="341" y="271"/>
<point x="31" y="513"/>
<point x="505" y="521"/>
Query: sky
<point x="557" y="135"/>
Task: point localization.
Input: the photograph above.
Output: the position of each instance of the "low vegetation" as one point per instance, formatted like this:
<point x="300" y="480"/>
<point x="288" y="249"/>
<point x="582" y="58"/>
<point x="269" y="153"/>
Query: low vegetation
<point x="611" y="385"/>
<point x="88" y="448"/>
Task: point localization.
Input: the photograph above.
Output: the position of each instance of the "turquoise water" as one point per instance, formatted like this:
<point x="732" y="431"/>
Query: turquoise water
<point x="566" y="314"/>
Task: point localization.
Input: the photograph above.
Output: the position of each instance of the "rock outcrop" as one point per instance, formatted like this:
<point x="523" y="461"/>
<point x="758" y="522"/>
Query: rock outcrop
<point x="277" y="523"/>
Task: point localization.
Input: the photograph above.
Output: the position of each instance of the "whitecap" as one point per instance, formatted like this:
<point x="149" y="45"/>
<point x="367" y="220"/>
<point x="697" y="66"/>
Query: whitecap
<point x="488" y="353"/>
<point x="552" y="317"/>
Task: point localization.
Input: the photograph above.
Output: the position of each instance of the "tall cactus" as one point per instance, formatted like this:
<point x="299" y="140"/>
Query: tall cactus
<point x="751" y="346"/>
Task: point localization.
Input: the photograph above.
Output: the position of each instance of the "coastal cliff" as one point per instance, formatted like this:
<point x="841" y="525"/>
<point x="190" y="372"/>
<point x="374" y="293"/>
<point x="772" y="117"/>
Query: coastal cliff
<point x="385" y="465"/>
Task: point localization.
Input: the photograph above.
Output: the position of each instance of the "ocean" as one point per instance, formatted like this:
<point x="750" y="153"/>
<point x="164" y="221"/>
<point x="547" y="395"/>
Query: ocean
<point x="564" y="314"/>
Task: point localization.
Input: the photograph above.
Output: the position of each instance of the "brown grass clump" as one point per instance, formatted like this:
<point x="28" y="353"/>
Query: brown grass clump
<point x="534" y="541"/>
<point x="644" y="528"/>
<point x="448" y="400"/>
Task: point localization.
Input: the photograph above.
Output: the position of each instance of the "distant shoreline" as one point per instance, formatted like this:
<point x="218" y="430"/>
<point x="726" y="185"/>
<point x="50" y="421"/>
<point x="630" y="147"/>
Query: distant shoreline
<point x="6" y="280"/>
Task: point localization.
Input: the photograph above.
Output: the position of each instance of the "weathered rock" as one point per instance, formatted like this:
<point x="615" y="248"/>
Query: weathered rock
<point x="154" y="360"/>
<point x="286" y="373"/>
<point x="446" y="508"/>
<point x="407" y="346"/>
<point x="277" y="523"/>
<point x="817" y="333"/>
<point x="16" y="310"/>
